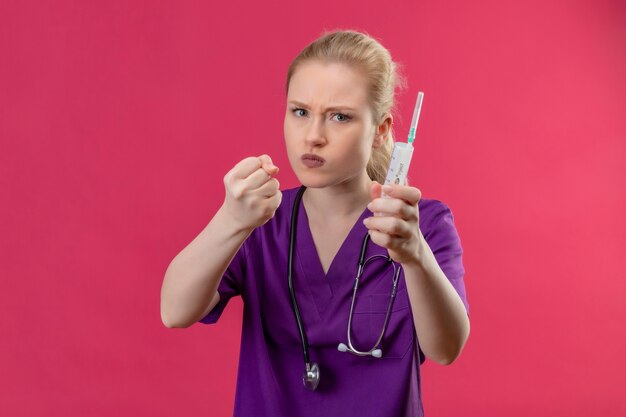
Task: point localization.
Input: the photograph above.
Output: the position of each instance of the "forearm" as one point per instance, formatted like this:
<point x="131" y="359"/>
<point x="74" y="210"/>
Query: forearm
<point x="440" y="317"/>
<point x="192" y="278"/>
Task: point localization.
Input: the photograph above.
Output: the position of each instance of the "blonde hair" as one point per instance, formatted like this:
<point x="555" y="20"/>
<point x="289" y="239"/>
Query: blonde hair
<point x="364" y="53"/>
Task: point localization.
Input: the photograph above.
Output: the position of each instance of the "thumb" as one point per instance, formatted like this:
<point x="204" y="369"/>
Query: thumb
<point x="267" y="164"/>
<point x="375" y="190"/>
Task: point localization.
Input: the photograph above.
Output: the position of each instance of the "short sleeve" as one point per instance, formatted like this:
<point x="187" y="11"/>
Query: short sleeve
<point x="445" y="243"/>
<point x="231" y="284"/>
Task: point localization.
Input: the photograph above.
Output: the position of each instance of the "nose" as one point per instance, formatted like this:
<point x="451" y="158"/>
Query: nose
<point x="315" y="134"/>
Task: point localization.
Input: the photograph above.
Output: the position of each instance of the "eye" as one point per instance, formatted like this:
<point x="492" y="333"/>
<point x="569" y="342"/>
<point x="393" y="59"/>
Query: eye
<point x="296" y="110"/>
<point x="343" y="117"/>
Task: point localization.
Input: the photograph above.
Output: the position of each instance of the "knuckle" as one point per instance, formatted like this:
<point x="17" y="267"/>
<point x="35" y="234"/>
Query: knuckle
<point x="399" y="227"/>
<point x="237" y="192"/>
<point x="251" y="161"/>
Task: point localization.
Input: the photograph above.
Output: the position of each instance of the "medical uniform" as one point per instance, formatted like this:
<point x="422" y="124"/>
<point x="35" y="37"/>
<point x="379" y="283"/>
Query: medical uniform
<point x="271" y="364"/>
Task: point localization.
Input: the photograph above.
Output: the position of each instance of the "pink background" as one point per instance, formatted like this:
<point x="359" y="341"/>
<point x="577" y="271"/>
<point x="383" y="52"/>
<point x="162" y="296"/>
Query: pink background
<point x="118" y="121"/>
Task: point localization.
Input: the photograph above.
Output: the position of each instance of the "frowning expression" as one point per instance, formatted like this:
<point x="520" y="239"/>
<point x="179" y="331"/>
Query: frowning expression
<point x="328" y="115"/>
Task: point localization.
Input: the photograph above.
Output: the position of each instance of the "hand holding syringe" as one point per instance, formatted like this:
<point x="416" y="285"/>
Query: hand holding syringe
<point x="395" y="221"/>
<point x="402" y="152"/>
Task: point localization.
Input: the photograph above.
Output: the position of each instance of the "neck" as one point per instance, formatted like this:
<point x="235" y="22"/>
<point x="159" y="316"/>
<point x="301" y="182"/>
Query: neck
<point x="338" y="201"/>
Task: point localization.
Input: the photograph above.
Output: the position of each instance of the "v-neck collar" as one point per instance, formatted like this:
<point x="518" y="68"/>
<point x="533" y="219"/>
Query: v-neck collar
<point x="322" y="286"/>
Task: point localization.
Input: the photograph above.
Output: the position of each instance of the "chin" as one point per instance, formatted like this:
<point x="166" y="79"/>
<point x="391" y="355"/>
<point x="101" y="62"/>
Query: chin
<point x="313" y="183"/>
<point x="320" y="181"/>
<point x="312" y="180"/>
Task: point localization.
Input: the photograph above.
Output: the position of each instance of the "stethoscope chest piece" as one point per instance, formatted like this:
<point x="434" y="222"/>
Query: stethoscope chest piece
<point x="311" y="377"/>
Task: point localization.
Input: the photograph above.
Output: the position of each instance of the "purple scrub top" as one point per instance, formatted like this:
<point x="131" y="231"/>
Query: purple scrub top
<point x="271" y="363"/>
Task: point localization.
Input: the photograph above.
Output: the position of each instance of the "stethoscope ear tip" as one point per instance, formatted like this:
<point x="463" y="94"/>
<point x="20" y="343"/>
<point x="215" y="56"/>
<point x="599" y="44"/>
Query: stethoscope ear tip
<point x="377" y="353"/>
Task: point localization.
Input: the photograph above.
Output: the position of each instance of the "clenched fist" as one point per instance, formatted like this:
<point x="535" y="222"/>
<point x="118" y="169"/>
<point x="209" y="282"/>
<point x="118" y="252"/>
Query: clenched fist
<point x="252" y="194"/>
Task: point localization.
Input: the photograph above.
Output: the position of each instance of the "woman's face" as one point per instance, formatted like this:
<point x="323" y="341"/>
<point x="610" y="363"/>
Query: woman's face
<point x="328" y="115"/>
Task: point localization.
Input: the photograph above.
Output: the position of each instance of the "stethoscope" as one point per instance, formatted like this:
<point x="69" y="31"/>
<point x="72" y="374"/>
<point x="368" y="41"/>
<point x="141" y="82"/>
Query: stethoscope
<point x="311" y="377"/>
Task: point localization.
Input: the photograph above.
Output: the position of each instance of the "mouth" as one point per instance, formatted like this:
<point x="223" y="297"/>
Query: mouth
<point x="312" y="161"/>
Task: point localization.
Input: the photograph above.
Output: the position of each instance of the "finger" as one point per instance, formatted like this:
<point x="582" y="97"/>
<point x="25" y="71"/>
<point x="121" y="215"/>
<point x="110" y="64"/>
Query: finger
<point x="277" y="198"/>
<point x="257" y="179"/>
<point x="375" y="192"/>
<point x="384" y="240"/>
<point x="393" y="207"/>
<point x="269" y="189"/>
<point x="272" y="170"/>
<point x="404" y="192"/>
<point x="388" y="225"/>
<point x="245" y="167"/>
<point x="265" y="159"/>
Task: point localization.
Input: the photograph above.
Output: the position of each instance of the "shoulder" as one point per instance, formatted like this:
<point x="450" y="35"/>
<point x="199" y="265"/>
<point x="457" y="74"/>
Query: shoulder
<point x="431" y="211"/>
<point x="435" y="219"/>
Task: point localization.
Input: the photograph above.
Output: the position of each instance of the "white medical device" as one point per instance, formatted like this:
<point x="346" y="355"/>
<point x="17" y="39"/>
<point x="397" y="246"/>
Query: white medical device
<point x="402" y="152"/>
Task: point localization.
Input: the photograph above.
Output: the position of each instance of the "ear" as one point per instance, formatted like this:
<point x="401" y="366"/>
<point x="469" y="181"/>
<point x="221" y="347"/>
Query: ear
<point x="382" y="130"/>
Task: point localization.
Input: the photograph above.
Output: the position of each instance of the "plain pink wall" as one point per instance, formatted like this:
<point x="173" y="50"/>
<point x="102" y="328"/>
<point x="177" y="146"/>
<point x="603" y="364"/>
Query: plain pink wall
<point x="118" y="121"/>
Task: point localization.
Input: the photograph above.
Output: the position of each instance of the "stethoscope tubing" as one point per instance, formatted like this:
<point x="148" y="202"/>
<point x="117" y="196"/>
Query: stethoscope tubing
<point x="352" y="349"/>
<point x="294" y="304"/>
<point x="312" y="374"/>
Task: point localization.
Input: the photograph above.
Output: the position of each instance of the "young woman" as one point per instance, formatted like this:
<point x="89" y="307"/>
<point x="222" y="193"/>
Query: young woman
<point x="294" y="255"/>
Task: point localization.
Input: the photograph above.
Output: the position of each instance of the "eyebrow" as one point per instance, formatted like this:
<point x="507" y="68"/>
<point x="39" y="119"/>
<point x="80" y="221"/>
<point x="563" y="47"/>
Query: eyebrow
<point x="339" y="107"/>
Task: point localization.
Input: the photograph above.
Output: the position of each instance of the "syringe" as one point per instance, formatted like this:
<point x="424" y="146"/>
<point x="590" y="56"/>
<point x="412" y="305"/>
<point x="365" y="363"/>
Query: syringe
<point x="402" y="152"/>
